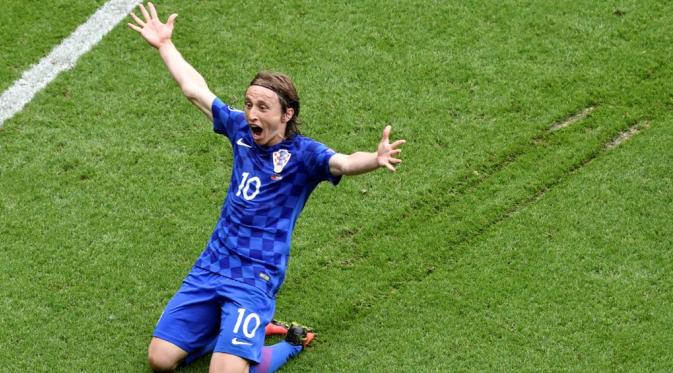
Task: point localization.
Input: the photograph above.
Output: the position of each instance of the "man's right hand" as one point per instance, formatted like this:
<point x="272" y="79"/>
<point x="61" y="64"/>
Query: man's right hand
<point x="151" y="29"/>
<point x="158" y="35"/>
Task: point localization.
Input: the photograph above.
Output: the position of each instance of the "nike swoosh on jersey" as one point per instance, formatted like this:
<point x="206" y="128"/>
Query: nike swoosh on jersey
<point x="236" y="342"/>
<point x="241" y="143"/>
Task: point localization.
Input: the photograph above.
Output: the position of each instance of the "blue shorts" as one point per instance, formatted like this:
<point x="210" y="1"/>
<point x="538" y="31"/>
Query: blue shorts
<point x="210" y="309"/>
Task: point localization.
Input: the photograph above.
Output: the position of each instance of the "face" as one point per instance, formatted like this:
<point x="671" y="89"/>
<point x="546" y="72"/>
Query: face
<point x="265" y="116"/>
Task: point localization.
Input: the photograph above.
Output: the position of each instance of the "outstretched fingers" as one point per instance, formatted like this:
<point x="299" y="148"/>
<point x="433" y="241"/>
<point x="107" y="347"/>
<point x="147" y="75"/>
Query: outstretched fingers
<point x="153" y="11"/>
<point x="387" y="159"/>
<point x="144" y="12"/>
<point x="391" y="160"/>
<point x="398" y="143"/>
<point x="139" y="21"/>
<point x="394" y="152"/>
<point x="386" y="133"/>
<point x="150" y="27"/>
<point x="134" y="27"/>
<point x="388" y="152"/>
<point x="171" y="19"/>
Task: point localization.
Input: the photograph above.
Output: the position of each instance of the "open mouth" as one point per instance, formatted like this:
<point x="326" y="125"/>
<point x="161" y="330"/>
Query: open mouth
<point x="256" y="130"/>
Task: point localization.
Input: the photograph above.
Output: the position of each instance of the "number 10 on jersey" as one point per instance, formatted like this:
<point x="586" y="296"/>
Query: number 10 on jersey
<point x="249" y="187"/>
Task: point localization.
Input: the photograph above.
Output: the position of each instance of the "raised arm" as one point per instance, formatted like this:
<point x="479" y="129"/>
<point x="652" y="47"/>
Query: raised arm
<point x="361" y="162"/>
<point x="158" y="35"/>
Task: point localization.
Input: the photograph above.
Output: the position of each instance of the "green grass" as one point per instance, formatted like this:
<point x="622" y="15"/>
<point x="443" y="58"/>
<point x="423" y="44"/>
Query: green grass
<point x="29" y="30"/>
<point x="578" y="280"/>
<point x="498" y="245"/>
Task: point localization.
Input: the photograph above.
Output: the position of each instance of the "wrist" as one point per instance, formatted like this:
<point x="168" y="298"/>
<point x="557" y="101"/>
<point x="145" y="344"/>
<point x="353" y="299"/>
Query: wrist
<point x="166" y="44"/>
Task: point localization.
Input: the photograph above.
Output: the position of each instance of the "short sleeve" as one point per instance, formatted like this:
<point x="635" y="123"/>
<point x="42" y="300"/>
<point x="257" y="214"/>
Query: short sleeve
<point x="226" y="121"/>
<point x="317" y="162"/>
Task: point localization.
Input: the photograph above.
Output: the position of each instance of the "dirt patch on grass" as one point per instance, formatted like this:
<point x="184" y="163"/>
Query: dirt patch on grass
<point x="626" y="135"/>
<point x="567" y="122"/>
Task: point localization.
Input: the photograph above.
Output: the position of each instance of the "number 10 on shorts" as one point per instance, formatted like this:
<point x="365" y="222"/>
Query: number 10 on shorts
<point x="245" y="322"/>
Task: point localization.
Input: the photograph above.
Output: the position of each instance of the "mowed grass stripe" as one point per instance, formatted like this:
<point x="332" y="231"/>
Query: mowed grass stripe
<point x="578" y="281"/>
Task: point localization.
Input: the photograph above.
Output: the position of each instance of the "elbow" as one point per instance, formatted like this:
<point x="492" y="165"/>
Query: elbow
<point x="336" y="171"/>
<point x="338" y="165"/>
<point x="190" y="92"/>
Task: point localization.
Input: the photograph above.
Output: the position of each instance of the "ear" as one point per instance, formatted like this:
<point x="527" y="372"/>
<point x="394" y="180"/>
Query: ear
<point x="289" y="113"/>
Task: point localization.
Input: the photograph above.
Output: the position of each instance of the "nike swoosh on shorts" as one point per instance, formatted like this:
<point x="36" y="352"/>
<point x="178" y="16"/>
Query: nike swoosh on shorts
<point x="236" y="342"/>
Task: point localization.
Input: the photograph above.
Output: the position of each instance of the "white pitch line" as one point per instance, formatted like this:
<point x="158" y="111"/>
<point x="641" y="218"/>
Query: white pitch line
<point x="63" y="56"/>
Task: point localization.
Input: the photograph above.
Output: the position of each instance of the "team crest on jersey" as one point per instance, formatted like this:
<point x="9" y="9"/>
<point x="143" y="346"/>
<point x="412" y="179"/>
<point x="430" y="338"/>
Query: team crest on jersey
<point x="280" y="159"/>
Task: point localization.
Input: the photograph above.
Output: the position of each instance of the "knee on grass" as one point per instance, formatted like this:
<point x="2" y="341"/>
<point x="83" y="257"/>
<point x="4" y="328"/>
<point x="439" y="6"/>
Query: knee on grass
<point x="161" y="363"/>
<point x="163" y="356"/>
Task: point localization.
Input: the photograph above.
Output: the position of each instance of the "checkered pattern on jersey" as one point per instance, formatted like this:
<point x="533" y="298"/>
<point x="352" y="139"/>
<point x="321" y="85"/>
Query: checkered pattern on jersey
<point x="251" y="242"/>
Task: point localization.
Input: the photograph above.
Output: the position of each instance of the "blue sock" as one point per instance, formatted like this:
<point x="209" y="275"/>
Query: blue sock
<point x="274" y="357"/>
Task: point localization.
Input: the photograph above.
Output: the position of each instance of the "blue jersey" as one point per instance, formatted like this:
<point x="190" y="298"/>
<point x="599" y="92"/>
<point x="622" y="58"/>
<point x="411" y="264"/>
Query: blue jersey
<point x="268" y="189"/>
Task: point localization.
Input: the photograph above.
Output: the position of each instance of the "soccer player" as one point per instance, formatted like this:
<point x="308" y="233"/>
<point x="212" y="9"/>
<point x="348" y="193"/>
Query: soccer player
<point x="227" y="300"/>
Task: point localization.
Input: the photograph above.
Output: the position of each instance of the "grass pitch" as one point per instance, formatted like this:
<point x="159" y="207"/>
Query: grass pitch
<point x="498" y="245"/>
<point x="30" y="29"/>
